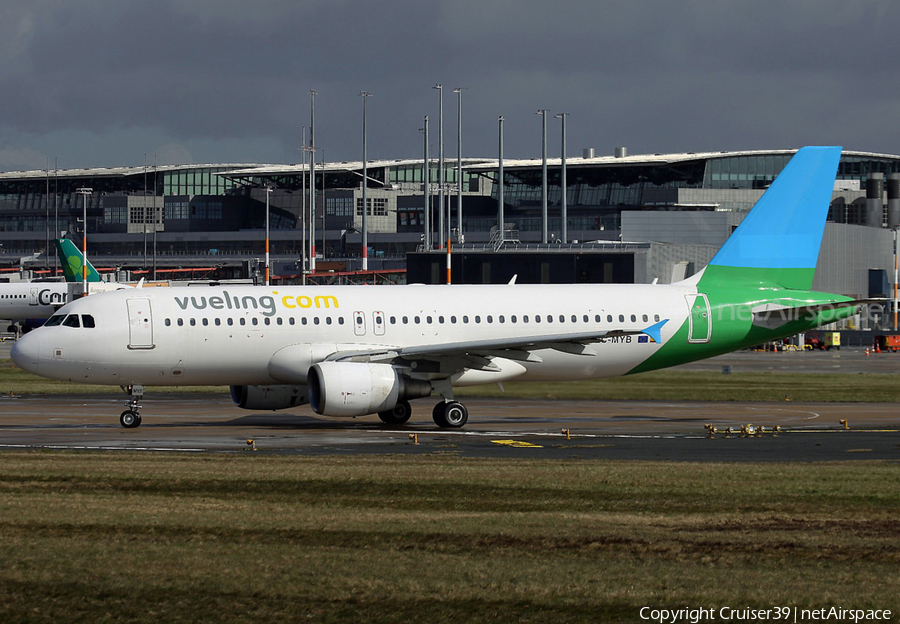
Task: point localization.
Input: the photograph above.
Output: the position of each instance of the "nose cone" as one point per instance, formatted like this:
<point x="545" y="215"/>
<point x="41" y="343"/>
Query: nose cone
<point x="26" y="352"/>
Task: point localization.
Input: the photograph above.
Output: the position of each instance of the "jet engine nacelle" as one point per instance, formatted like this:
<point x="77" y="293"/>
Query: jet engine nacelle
<point x="357" y="389"/>
<point x="273" y="397"/>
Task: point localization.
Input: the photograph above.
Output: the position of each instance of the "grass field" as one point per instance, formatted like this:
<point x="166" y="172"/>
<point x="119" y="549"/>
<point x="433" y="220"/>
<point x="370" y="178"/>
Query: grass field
<point x="665" y="385"/>
<point x="258" y="538"/>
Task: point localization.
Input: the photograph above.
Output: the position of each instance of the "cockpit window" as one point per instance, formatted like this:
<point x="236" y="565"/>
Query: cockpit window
<point x="55" y="320"/>
<point x="72" y="321"/>
<point x="87" y="321"/>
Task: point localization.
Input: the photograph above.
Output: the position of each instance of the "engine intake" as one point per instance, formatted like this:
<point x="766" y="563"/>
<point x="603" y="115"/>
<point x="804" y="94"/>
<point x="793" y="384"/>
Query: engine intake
<point x="357" y="389"/>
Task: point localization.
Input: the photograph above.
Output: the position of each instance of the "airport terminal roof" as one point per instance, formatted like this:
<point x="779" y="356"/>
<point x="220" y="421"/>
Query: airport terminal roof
<point x="245" y="171"/>
<point x="113" y="172"/>
<point x="648" y="159"/>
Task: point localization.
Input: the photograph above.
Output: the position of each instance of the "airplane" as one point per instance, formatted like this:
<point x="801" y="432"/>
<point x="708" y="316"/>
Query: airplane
<point x="353" y="351"/>
<point x="30" y="303"/>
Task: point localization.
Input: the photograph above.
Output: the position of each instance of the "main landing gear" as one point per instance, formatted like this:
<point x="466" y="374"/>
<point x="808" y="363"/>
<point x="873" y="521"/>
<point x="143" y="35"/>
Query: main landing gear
<point x="131" y="417"/>
<point x="446" y="414"/>
<point x="450" y="414"/>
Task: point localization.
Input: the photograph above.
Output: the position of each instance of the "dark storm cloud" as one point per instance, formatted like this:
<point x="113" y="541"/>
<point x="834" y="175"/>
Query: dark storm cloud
<point x="104" y="82"/>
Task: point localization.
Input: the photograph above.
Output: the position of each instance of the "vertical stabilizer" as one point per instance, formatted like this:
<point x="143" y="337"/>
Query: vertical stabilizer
<point x="778" y="242"/>
<point x="70" y="259"/>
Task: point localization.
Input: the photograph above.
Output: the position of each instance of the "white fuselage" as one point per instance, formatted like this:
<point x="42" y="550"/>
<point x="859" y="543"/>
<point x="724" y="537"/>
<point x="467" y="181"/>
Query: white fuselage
<point x="32" y="300"/>
<point x="233" y="335"/>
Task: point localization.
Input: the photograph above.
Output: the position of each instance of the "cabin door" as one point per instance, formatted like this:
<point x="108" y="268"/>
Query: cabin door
<point x="700" y="320"/>
<point x="140" y="323"/>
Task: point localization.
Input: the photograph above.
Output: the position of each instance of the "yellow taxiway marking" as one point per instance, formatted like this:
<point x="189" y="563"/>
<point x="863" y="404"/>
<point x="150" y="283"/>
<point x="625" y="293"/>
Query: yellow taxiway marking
<point x="516" y="443"/>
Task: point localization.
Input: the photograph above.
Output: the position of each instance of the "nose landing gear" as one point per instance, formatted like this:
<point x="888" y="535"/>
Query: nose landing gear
<point x="131" y="418"/>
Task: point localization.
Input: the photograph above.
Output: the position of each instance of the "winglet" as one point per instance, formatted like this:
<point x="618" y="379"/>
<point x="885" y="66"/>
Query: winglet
<point x="655" y="331"/>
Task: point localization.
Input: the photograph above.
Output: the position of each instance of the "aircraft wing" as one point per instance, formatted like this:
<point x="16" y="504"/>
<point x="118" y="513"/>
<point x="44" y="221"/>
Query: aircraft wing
<point x="513" y="348"/>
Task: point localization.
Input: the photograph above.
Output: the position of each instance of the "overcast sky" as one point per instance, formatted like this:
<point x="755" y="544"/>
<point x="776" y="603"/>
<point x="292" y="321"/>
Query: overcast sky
<point x="97" y="83"/>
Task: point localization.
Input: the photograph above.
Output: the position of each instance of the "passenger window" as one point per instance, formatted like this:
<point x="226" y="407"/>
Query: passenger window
<point x="633" y="318"/>
<point x="417" y="320"/>
<point x="218" y="322"/>
<point x="291" y="321"/>
<point x="490" y="319"/>
<point x="328" y="320"/>
<point x="596" y="318"/>
<point x="525" y="319"/>
<point x="621" y="318"/>
<point x="465" y="318"/>
<point x="393" y="320"/>
<point x="609" y="318"/>
<point x="87" y="321"/>
<point x="656" y="317"/>
<point x="537" y="318"/>
<point x="340" y="320"/>
<point x="71" y="321"/>
<point x="279" y="321"/>
<point x="477" y="318"/>
<point x="304" y="321"/>
<point x="453" y="320"/>
<point x="549" y="318"/>
<point x="562" y="319"/>
<point x="243" y="321"/>
<point x="429" y="320"/>
<point x="205" y="322"/>
<point x="645" y="318"/>
<point x="168" y="322"/>
<point x="316" y="320"/>
<point x="502" y="319"/>
<point x="254" y="321"/>
<point x="193" y="322"/>
<point x="181" y="322"/>
<point x="513" y="319"/>
<point x="575" y="319"/>
<point x="405" y="320"/>
<point x="586" y="319"/>
<point x="441" y="320"/>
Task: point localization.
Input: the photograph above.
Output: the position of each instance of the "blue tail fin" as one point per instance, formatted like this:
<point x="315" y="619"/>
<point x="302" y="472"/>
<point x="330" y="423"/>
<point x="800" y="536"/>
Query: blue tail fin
<point x="780" y="238"/>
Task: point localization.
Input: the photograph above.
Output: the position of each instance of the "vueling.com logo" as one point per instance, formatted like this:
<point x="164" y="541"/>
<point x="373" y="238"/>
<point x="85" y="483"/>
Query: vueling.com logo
<point x="266" y="303"/>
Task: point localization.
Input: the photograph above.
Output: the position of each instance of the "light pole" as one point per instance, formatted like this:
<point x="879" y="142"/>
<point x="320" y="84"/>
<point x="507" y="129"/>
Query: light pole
<point x="84" y="261"/>
<point x="312" y="181"/>
<point x="562" y="181"/>
<point x="365" y="183"/>
<point x="459" y="223"/>
<point x="500" y="185"/>
<point x="440" y="89"/>
<point x="543" y="114"/>
<point x="426" y="175"/>
<point x="303" y="254"/>
<point x="269" y="190"/>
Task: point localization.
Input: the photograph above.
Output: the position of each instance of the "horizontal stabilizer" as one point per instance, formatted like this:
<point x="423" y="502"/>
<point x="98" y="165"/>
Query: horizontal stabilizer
<point x="773" y="316"/>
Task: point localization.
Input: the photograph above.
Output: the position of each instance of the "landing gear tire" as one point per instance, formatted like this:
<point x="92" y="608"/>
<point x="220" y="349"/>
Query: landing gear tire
<point x="130" y="419"/>
<point x="450" y="415"/>
<point x="398" y="415"/>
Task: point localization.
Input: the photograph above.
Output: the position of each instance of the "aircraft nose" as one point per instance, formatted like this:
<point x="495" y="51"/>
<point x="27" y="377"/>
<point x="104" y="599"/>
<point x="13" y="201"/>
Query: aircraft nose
<point x="26" y="352"/>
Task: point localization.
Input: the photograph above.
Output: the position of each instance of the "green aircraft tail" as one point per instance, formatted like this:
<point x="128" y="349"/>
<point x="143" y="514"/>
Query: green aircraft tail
<point x="71" y="260"/>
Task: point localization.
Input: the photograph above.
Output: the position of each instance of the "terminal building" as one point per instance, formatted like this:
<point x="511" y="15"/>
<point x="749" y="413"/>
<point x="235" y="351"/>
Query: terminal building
<point x="629" y="218"/>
